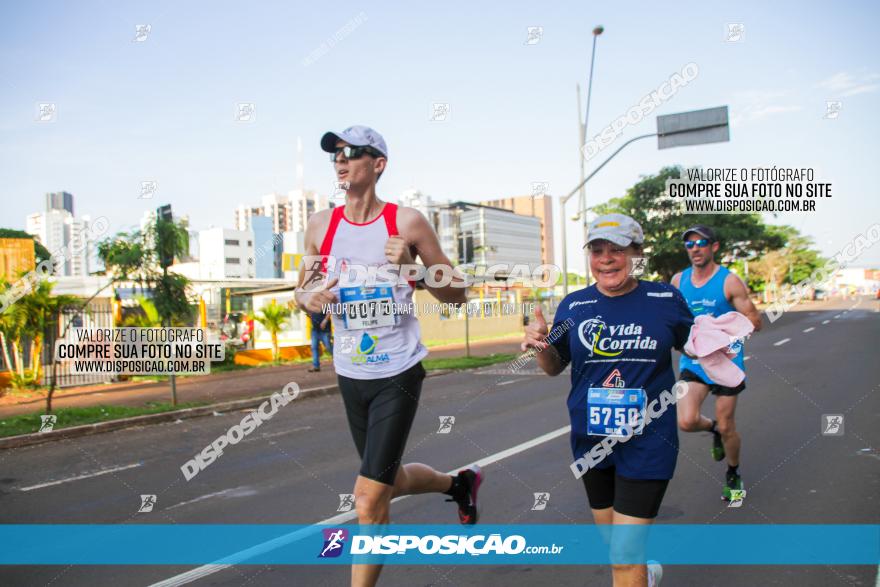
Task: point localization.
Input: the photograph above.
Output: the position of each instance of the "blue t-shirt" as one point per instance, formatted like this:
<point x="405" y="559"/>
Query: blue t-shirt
<point x="624" y="341"/>
<point x="708" y="299"/>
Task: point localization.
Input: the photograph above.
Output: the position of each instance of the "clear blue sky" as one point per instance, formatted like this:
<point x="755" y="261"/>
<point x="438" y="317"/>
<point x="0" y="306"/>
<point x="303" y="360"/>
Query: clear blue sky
<point x="163" y="109"/>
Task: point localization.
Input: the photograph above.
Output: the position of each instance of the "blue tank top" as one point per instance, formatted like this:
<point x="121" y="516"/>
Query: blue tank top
<point x="708" y="299"/>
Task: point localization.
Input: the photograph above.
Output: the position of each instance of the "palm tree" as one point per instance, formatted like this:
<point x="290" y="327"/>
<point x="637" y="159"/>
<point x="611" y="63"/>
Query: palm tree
<point x="12" y="324"/>
<point x="42" y="310"/>
<point x="273" y="317"/>
<point x="30" y="317"/>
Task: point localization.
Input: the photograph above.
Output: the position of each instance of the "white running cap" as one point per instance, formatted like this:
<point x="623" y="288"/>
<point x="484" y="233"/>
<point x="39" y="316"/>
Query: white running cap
<point x="358" y="136"/>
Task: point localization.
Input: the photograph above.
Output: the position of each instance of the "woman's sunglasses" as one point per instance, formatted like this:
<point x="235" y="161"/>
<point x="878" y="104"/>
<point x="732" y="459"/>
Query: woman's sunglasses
<point x="697" y="243"/>
<point x="350" y="152"/>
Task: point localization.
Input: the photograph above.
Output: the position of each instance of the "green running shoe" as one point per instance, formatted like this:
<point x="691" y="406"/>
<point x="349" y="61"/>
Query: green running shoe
<point x="732" y="481"/>
<point x="717" y="446"/>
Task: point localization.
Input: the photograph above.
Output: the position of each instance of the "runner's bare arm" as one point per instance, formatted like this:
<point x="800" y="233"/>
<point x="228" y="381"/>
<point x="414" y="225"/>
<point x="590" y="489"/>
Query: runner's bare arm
<point x="311" y="292"/>
<point x="738" y="293"/>
<point x="676" y="280"/>
<point x="418" y="232"/>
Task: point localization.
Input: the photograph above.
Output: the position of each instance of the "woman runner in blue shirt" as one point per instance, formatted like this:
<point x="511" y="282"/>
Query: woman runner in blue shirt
<point x="618" y="336"/>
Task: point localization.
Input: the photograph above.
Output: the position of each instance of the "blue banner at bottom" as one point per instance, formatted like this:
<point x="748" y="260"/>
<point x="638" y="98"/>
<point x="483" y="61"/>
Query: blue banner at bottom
<point x="527" y="544"/>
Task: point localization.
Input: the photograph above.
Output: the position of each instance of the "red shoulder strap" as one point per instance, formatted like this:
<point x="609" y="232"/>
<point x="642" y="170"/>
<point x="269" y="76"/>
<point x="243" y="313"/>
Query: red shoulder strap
<point x="389" y="212"/>
<point x="327" y="244"/>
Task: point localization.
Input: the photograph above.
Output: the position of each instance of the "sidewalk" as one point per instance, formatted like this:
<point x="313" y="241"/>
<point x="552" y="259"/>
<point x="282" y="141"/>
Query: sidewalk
<point x="230" y="385"/>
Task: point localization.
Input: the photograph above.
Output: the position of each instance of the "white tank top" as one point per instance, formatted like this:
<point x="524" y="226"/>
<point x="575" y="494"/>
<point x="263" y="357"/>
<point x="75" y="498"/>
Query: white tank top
<point x="379" y="351"/>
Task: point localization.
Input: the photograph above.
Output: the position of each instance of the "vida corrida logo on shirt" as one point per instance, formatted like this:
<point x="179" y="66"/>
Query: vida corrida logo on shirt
<point x="606" y="340"/>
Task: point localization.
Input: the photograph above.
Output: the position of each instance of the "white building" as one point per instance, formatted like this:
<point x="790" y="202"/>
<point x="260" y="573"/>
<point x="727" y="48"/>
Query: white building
<point x="414" y="198"/>
<point x="499" y="236"/>
<point x="80" y="245"/>
<point x="226" y="253"/>
<point x="857" y="278"/>
<point x="276" y="207"/>
<point x="243" y="215"/>
<point x="64" y="236"/>
<point x="301" y="205"/>
<point x="48" y="227"/>
<point x="288" y="213"/>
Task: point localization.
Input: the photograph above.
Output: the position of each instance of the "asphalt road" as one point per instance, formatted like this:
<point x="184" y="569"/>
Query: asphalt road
<point x="293" y="468"/>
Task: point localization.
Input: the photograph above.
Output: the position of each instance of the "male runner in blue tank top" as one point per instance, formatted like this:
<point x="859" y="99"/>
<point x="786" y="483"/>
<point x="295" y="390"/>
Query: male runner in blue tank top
<point x="712" y="289"/>
<point x="380" y="382"/>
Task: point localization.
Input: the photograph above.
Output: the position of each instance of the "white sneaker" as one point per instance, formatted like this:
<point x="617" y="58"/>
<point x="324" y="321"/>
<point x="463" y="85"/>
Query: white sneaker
<point x="655" y="573"/>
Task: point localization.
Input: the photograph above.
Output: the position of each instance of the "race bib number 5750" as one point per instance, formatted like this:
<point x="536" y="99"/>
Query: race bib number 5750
<point x="611" y="411"/>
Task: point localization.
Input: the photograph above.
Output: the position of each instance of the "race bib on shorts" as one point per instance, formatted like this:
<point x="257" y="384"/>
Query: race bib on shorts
<point x="611" y="410"/>
<point x="367" y="306"/>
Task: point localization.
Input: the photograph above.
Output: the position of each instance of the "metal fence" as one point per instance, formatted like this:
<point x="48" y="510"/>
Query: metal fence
<point x="98" y="314"/>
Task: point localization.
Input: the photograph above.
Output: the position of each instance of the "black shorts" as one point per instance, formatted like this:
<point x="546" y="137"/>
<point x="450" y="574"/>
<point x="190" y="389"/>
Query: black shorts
<point x="380" y="413"/>
<point x="714" y="388"/>
<point x="639" y="498"/>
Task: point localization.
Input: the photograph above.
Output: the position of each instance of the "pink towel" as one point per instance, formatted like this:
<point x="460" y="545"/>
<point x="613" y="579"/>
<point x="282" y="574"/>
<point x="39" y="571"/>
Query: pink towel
<point x="709" y="339"/>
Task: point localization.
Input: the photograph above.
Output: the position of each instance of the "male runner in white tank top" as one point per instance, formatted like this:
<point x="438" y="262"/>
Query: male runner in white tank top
<point x="380" y="379"/>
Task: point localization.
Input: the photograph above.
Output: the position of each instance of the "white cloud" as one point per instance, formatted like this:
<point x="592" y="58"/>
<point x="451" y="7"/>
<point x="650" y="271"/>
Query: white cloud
<point x="752" y="105"/>
<point x="844" y="84"/>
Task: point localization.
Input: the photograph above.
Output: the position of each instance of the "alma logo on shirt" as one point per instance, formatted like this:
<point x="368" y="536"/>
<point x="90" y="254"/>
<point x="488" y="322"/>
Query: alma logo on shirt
<point x="366" y="352"/>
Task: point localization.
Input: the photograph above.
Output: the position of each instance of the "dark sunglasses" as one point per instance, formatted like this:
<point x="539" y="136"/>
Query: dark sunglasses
<point x="703" y="242"/>
<point x="350" y="152"/>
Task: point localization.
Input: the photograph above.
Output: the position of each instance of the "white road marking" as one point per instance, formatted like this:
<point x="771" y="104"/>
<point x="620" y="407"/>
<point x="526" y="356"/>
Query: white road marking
<point x="810" y="329"/>
<point x="781" y="342"/>
<point x="747" y="358"/>
<point x="274" y="434"/>
<point x="235" y="491"/>
<point x="836" y="317"/>
<point x="78" y="477"/>
<point x="269" y="545"/>
<point x="509" y="382"/>
<point x="825" y="321"/>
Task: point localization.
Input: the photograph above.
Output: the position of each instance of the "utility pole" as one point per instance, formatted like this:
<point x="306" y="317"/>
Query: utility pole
<point x="582" y="129"/>
<point x="163" y="213"/>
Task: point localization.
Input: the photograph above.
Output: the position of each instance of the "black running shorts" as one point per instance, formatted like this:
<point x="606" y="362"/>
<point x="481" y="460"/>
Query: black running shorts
<point x="380" y="413"/>
<point x="639" y="498"/>
<point x="714" y="388"/>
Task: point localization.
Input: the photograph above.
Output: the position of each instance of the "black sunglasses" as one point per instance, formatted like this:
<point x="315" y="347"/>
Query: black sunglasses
<point x="350" y="152"/>
<point x="697" y="243"/>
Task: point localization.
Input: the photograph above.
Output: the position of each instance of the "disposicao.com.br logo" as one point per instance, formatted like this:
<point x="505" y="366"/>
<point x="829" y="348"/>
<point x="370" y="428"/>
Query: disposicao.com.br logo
<point x="334" y="542"/>
<point x="413" y="544"/>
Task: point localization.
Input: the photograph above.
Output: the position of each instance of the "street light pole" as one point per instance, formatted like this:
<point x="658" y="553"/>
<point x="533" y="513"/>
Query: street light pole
<point x="583" y="127"/>
<point x="696" y="127"/>
<point x="565" y="199"/>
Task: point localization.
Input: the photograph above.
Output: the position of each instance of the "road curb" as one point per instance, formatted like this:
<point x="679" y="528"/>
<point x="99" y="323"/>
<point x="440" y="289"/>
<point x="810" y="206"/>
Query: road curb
<point x="227" y="406"/>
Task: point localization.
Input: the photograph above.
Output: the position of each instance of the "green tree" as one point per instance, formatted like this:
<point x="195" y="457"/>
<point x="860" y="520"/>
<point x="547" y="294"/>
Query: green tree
<point x="788" y="265"/>
<point x="663" y="220"/>
<point x="148" y="317"/>
<point x="573" y="279"/>
<point x="41" y="253"/>
<point x="29" y="318"/>
<point x="142" y="257"/>
<point x="273" y="317"/>
<point x="135" y="257"/>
